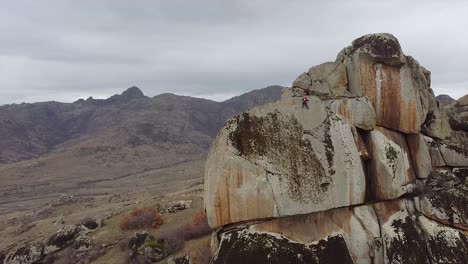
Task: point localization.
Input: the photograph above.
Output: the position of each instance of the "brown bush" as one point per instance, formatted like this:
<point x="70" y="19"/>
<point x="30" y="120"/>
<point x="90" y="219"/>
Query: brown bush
<point x="174" y="239"/>
<point x="198" y="228"/>
<point x="141" y="218"/>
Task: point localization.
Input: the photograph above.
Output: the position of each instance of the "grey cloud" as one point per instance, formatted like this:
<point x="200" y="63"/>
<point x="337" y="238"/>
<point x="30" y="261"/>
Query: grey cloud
<point x="63" y="49"/>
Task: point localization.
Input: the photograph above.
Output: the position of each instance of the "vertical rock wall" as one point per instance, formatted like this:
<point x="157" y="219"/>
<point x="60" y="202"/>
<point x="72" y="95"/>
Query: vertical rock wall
<point x="366" y="174"/>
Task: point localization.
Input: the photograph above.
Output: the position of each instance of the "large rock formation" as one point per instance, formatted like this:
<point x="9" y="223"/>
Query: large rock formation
<point x="367" y="174"/>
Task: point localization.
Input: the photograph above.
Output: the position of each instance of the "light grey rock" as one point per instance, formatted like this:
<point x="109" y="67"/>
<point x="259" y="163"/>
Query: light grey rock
<point x="379" y="46"/>
<point x="63" y="238"/>
<point x="176" y="206"/>
<point x="403" y="240"/>
<point x="397" y="86"/>
<point x="445" y="197"/>
<point x="390" y="164"/>
<point x="356" y="111"/>
<point x="356" y="228"/>
<point x="446" y="245"/>
<point x="82" y="243"/>
<point x="454" y="155"/>
<point x="278" y="160"/>
<point x="420" y="156"/>
<point x="436" y="122"/>
<point x="26" y="255"/>
<point x="436" y="157"/>
<point x="413" y="238"/>
<point x="304" y="81"/>
<point x="329" y="76"/>
<point x="328" y="79"/>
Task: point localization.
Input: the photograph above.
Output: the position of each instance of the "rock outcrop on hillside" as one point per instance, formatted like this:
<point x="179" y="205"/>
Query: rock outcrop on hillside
<point x="458" y="119"/>
<point x="444" y="99"/>
<point x="369" y="173"/>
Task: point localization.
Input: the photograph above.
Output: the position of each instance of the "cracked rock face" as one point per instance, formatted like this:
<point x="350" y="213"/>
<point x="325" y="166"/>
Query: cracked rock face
<point x="390" y="166"/>
<point x="279" y="160"/>
<point x="247" y="246"/>
<point x="25" y="255"/>
<point x="63" y="238"/>
<point x="368" y="173"/>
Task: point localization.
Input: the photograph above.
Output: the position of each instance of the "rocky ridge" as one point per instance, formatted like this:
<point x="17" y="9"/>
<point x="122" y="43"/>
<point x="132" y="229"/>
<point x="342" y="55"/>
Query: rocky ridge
<point x="371" y="173"/>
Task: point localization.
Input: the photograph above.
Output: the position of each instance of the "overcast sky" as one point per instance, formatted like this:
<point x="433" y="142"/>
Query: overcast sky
<point x="65" y="50"/>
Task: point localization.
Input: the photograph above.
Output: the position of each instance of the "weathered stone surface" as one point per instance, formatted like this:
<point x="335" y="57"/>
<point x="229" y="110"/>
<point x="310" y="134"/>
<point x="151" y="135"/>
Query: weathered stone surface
<point x="391" y="172"/>
<point x="26" y="255"/>
<point x="378" y="69"/>
<point x="458" y="116"/>
<point x="356" y="229"/>
<point x="63" y="238"/>
<point x="82" y="243"/>
<point x="276" y="175"/>
<point x="249" y="246"/>
<point x="421" y="159"/>
<point x="403" y="240"/>
<point x="436" y="157"/>
<point x="446" y="245"/>
<point x="381" y="46"/>
<point x="279" y="160"/>
<point x="409" y="238"/>
<point x="330" y="74"/>
<point x="328" y="78"/>
<point x="463" y="100"/>
<point x="440" y="179"/>
<point x="356" y="111"/>
<point x="358" y="226"/>
<point x="360" y="144"/>
<point x="137" y="240"/>
<point x="379" y="82"/>
<point x="447" y="206"/>
<point x="304" y="81"/>
<point x="445" y="197"/>
<point x="436" y="123"/>
<point x="91" y="223"/>
<point x="454" y="155"/>
<point x="175" y="206"/>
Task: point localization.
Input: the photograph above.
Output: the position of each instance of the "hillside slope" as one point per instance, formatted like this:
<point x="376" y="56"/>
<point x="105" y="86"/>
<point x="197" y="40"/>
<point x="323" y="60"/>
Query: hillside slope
<point x="85" y="147"/>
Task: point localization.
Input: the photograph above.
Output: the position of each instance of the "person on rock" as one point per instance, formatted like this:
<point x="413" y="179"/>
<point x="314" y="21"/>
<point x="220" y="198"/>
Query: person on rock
<point x="304" y="102"/>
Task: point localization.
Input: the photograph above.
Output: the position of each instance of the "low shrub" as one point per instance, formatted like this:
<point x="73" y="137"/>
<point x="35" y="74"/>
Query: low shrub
<point x="198" y="228"/>
<point x="141" y="218"/>
<point x="152" y="242"/>
<point x="174" y="239"/>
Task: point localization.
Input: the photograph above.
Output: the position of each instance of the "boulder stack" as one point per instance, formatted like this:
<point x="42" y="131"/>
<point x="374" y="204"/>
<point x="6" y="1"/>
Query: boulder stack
<point x="367" y="174"/>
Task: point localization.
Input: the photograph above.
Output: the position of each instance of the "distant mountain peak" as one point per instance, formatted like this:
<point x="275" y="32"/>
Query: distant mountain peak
<point x="129" y="94"/>
<point x="132" y="93"/>
<point x="444" y="99"/>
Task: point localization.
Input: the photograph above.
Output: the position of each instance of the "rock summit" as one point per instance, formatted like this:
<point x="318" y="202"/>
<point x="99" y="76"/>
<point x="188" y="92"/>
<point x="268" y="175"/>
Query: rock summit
<point x="368" y="174"/>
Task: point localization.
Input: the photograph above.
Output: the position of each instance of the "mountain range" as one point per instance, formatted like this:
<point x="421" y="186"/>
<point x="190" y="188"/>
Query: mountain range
<point x="51" y="148"/>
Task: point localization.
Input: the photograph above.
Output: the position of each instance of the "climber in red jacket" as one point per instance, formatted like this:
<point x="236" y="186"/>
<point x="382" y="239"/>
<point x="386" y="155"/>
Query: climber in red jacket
<point x="304" y="102"/>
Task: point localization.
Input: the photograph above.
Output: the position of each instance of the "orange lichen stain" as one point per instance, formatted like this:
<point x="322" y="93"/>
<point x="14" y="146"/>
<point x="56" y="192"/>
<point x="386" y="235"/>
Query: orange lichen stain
<point x="368" y="83"/>
<point x="391" y="111"/>
<point x="344" y="110"/>
<point x="384" y="210"/>
<point x="400" y="140"/>
<point x="410" y="120"/>
<point x="309" y="227"/>
<point x="233" y="203"/>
